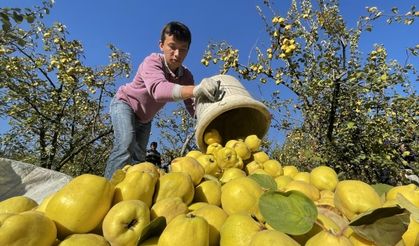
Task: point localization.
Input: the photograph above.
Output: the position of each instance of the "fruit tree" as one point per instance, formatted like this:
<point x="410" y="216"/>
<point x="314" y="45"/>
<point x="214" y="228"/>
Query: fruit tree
<point x="357" y="109"/>
<point x="54" y="102"/>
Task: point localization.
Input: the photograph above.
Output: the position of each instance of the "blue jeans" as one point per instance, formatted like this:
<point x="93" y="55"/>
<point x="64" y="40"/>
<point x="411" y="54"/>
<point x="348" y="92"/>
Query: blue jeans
<point x="130" y="137"/>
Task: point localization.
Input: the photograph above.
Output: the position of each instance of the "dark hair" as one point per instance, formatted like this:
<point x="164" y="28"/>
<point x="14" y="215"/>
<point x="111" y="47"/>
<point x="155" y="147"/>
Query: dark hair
<point x="153" y="144"/>
<point x="179" y="30"/>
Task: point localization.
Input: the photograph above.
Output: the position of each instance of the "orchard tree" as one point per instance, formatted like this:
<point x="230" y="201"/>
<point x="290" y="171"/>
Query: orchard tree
<point x="357" y="110"/>
<point x="54" y="102"/>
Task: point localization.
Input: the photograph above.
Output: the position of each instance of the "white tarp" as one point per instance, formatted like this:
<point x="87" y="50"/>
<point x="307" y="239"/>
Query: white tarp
<point x="19" y="178"/>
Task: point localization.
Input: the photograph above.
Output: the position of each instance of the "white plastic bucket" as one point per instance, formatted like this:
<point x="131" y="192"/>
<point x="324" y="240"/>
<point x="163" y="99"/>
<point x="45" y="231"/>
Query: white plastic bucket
<point x="236" y="116"/>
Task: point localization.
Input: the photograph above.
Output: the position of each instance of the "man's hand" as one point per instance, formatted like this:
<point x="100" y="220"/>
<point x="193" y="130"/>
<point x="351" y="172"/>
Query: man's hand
<point x="210" y="89"/>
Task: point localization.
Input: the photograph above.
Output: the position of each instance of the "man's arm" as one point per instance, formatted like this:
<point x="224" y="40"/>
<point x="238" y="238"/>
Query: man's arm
<point x="186" y="91"/>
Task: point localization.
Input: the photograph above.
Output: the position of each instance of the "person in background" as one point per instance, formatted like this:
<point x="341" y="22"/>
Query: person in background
<point x="160" y="78"/>
<point x="153" y="155"/>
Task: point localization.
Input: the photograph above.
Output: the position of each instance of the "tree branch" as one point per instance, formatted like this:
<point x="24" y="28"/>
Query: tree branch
<point x="336" y="93"/>
<point x="33" y="61"/>
<point x="81" y="147"/>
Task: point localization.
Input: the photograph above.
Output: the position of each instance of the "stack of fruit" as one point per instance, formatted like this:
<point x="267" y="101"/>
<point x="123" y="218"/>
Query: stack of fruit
<point x="233" y="194"/>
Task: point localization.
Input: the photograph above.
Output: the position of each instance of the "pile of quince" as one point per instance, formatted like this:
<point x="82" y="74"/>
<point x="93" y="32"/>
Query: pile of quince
<point x="231" y="194"/>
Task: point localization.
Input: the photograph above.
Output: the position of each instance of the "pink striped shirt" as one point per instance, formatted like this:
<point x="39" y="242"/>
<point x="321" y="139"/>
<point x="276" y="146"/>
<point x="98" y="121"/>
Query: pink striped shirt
<point x="152" y="87"/>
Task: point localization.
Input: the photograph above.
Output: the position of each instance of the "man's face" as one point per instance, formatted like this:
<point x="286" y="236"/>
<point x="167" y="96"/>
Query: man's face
<point x="174" y="51"/>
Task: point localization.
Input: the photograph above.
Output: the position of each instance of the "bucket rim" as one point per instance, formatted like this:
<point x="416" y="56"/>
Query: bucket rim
<point x="236" y="103"/>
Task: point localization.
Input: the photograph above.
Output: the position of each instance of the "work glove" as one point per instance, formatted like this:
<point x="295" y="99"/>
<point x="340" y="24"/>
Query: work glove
<point x="210" y="89"/>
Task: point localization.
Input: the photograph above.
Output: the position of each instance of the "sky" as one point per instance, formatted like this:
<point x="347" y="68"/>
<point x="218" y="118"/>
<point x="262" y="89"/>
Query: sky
<point x="134" y="27"/>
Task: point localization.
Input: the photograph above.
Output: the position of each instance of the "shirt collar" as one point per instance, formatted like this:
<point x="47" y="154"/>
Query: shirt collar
<point x="179" y="70"/>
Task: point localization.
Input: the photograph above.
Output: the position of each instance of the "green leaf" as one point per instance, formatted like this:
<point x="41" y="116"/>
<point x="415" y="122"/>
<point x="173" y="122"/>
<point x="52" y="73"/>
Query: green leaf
<point x="21" y="42"/>
<point x="395" y="10"/>
<point x="265" y="181"/>
<point x="155" y="228"/>
<point x="17" y="17"/>
<point x="4" y="17"/>
<point x="381" y="188"/>
<point x="405" y="153"/>
<point x="383" y="226"/>
<point x="6" y="26"/>
<point x="291" y="212"/>
<point x="372" y="215"/>
<point x="30" y="18"/>
<point x="350" y="124"/>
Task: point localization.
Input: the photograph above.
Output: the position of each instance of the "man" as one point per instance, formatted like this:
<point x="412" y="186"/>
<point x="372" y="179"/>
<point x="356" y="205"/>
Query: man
<point x="153" y="155"/>
<point x="160" y="78"/>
